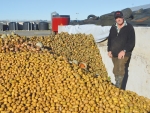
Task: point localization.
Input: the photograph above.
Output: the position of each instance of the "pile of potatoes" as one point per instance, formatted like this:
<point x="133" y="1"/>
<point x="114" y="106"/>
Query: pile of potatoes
<point x="76" y="47"/>
<point x="79" y="48"/>
<point x="16" y="43"/>
<point x="33" y="82"/>
<point x="47" y="82"/>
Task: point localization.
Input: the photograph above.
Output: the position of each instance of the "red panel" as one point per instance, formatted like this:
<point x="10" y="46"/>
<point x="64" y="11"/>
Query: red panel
<point x="59" y="21"/>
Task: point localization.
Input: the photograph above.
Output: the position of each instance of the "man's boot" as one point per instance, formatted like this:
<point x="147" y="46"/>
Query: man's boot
<point x="118" y="79"/>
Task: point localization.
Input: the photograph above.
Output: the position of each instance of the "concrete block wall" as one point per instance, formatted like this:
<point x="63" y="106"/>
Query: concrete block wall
<point x="139" y="66"/>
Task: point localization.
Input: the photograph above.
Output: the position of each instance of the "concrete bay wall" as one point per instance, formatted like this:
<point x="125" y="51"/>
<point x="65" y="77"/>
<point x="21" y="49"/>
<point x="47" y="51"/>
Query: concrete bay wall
<point x="139" y="66"/>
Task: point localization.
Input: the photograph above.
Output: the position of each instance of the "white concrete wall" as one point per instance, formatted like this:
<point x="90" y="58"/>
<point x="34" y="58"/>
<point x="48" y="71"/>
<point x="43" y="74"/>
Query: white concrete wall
<point x="139" y="66"/>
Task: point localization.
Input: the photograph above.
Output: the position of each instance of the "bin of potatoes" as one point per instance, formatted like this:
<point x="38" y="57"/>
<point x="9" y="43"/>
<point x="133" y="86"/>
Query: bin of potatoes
<point x="64" y="75"/>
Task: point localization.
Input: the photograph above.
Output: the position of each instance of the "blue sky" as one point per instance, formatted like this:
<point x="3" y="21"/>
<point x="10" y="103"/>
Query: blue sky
<point x="80" y="9"/>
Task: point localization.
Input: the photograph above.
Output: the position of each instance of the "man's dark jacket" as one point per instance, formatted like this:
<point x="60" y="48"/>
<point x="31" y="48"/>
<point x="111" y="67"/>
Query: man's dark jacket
<point x="124" y="40"/>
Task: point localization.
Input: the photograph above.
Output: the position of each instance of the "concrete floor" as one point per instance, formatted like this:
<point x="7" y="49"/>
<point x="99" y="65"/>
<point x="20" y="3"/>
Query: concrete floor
<point x="29" y="33"/>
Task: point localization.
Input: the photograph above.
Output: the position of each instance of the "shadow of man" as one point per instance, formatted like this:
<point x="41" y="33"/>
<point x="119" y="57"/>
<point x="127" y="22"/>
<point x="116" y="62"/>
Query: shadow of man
<point x="125" y="79"/>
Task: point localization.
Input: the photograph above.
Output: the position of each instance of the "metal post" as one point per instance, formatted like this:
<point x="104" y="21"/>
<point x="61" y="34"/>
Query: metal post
<point x="28" y="26"/>
<point x="14" y="26"/>
<point x="31" y="26"/>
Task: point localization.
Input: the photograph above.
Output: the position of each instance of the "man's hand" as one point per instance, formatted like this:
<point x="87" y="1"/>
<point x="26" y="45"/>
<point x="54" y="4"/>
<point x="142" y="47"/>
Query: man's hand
<point x="121" y="54"/>
<point x="110" y="54"/>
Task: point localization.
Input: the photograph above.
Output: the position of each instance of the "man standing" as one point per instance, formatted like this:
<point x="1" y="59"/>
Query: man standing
<point x="121" y="41"/>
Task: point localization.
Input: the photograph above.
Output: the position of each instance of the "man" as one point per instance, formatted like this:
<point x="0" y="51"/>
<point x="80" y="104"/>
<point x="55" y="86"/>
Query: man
<point x="121" y="41"/>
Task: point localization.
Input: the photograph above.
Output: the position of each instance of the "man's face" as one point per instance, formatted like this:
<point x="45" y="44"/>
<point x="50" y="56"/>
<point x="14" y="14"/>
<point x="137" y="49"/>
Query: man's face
<point x="119" y="21"/>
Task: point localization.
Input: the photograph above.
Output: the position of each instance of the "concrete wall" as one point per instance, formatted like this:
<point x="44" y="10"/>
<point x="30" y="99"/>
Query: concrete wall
<point x="139" y="66"/>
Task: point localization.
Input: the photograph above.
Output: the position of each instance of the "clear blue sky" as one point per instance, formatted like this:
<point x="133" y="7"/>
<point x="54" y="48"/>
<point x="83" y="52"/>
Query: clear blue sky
<point x="42" y="9"/>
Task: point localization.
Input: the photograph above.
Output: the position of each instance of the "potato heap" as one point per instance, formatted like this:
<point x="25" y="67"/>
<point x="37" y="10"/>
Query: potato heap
<point x="79" y="48"/>
<point x="33" y="82"/>
<point x="36" y="81"/>
<point x="76" y="47"/>
<point x="15" y="43"/>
